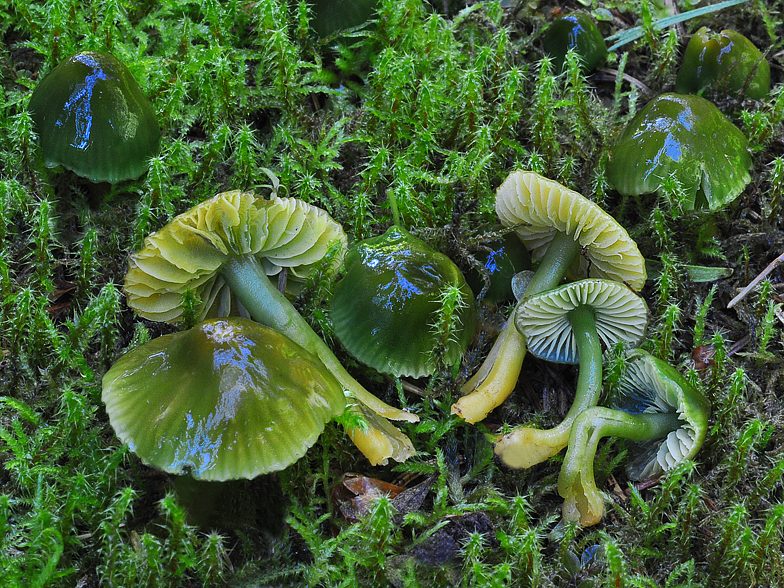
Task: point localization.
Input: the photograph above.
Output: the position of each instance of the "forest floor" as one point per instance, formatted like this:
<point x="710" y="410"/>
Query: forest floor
<point x="435" y="104"/>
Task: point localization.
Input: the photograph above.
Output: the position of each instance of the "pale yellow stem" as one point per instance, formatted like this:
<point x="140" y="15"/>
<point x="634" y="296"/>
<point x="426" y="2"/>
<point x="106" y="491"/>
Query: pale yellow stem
<point x="496" y="378"/>
<point x="380" y="440"/>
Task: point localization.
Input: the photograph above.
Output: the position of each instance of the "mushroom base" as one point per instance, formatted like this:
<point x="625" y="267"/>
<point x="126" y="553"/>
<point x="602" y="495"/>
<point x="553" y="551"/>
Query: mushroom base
<point x="576" y="484"/>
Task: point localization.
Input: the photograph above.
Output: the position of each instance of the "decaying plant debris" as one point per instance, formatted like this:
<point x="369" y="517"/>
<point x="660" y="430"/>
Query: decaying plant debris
<point x="435" y="103"/>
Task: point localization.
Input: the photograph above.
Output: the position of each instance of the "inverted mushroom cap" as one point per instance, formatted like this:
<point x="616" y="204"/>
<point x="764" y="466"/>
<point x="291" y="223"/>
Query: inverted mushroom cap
<point x="92" y="118"/>
<point x="543" y="319"/>
<point x="539" y="208"/>
<point x="188" y="253"/>
<point x="226" y="399"/>
<point x="651" y="385"/>
<point x="386" y="308"/>
<point x="685" y="137"/>
<point x="579" y="32"/>
<point x="723" y="63"/>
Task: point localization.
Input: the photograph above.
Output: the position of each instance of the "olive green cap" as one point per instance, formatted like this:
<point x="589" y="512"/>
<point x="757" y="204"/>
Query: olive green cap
<point x="385" y="310"/>
<point x="93" y="119"/>
<point x="686" y="138"/>
<point x="226" y="399"/>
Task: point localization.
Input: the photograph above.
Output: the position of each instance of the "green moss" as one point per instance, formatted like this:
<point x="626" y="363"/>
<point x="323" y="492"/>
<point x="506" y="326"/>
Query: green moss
<point x="438" y="103"/>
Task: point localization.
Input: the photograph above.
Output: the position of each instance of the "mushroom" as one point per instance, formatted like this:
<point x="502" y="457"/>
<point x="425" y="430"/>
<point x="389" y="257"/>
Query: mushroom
<point x="566" y="231"/>
<point x="501" y="259"/>
<point x="576" y="31"/>
<point x="333" y="16"/>
<point x="223" y="251"/>
<point x="656" y="407"/>
<point x="686" y="138"/>
<point x="569" y="324"/>
<point x="226" y="399"/>
<point x="93" y="119"/>
<point x="724" y="63"/>
<point x="385" y="311"/>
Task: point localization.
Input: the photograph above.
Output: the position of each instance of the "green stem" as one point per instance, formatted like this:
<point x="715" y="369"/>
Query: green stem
<point x="497" y="376"/>
<point x="267" y="305"/>
<point x="589" y="348"/>
<point x="583" y="503"/>
<point x="560" y="254"/>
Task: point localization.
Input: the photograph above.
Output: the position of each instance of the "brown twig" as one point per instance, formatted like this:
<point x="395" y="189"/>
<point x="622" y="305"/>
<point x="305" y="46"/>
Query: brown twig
<point x="763" y="274"/>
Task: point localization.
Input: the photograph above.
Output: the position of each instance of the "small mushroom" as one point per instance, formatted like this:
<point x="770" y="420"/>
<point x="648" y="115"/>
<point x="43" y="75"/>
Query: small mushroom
<point x="576" y="31"/>
<point x="227" y="399"/>
<point x="568" y="234"/>
<point x="385" y="310"/>
<point x="657" y="408"/>
<point x="502" y="259"/>
<point x="570" y="324"/>
<point x="93" y="119"/>
<point x="333" y="16"/>
<point x="223" y="251"/>
<point x="723" y="64"/>
<point x="684" y="137"/>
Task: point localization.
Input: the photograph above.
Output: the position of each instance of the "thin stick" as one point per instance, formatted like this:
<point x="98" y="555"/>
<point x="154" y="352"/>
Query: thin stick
<point x="756" y="281"/>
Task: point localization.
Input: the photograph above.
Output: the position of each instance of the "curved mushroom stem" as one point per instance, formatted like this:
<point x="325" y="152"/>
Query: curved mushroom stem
<point x="583" y="503"/>
<point x="267" y="305"/>
<point x="526" y="446"/>
<point x="496" y="378"/>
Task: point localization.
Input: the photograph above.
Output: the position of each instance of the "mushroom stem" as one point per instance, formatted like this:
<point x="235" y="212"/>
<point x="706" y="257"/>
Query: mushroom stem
<point x="496" y="378"/>
<point x="525" y="446"/>
<point x="582" y="501"/>
<point x="560" y="254"/>
<point x="266" y="304"/>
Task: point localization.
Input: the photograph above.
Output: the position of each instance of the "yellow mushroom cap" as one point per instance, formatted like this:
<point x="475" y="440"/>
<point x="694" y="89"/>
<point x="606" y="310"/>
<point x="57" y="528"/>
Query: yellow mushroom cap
<point x="187" y="254"/>
<point x="540" y="208"/>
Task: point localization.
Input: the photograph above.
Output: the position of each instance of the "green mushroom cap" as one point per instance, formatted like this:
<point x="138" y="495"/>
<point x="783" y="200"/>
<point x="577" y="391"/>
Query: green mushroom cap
<point x="579" y="32"/>
<point x="724" y="63"/>
<point x="332" y="16"/>
<point x="544" y="319"/>
<point x="684" y="137"/>
<point x="652" y="386"/>
<point x="224" y="400"/>
<point x="385" y="310"/>
<point x="502" y="259"/>
<point x="93" y="119"/>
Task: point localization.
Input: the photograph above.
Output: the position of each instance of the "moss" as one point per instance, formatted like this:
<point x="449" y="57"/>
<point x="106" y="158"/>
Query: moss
<point x="437" y="102"/>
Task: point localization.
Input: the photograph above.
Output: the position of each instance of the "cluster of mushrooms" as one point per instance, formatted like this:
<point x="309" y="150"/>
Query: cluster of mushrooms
<point x="573" y="323"/>
<point x="250" y="387"/>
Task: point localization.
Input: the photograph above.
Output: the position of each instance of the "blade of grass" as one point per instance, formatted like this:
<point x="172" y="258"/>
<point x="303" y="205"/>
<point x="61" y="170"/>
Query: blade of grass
<point x="627" y="36"/>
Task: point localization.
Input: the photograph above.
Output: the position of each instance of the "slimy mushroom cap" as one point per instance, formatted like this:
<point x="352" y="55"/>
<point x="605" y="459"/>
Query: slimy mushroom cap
<point x="684" y="137"/>
<point x="385" y="309"/>
<point x="226" y="399"/>
<point x="92" y="118"/>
